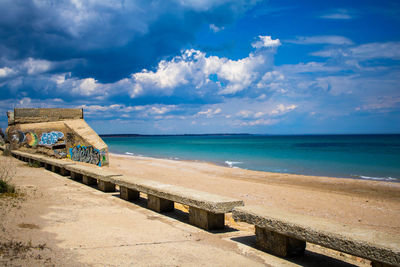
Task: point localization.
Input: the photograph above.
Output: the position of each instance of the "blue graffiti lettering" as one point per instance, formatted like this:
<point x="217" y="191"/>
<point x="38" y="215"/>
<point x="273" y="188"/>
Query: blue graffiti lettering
<point x="48" y="139"/>
<point x="87" y="154"/>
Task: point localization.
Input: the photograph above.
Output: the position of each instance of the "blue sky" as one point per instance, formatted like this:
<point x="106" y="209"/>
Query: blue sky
<point x="211" y="66"/>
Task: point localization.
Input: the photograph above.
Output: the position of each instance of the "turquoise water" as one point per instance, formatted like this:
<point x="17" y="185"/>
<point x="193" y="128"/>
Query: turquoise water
<point x="354" y="156"/>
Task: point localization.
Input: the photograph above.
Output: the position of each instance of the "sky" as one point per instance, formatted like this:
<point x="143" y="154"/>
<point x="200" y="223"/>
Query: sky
<point x="206" y="66"/>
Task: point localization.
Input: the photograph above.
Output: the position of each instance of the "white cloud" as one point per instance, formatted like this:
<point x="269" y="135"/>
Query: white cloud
<point x="383" y="103"/>
<point x="259" y="122"/>
<point x="194" y="68"/>
<point x="281" y="109"/>
<point x="308" y="67"/>
<point x="272" y="80"/>
<point x="209" y="113"/>
<point x="36" y="66"/>
<point x="4" y="72"/>
<point x="161" y="110"/>
<point x="215" y="28"/>
<point x="245" y="113"/>
<point x="339" y="14"/>
<point x="217" y="111"/>
<point x="266" y="41"/>
<point x="86" y="86"/>
<point x="390" y="50"/>
<point x="322" y="39"/>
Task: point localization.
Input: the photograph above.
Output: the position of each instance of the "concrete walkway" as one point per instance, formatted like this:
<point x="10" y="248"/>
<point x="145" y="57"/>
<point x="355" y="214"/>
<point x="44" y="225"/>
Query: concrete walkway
<point x="81" y="225"/>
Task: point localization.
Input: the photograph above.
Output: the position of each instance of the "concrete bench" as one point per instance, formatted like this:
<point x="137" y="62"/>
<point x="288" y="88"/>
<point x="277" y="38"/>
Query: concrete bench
<point x="206" y="210"/>
<point x="92" y="175"/>
<point x="24" y="156"/>
<point x="56" y="165"/>
<point x="284" y="234"/>
<point x="2" y="148"/>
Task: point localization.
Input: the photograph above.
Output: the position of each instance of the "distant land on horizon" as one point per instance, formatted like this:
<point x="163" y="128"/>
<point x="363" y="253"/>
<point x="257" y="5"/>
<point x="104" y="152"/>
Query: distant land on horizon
<point x="241" y="134"/>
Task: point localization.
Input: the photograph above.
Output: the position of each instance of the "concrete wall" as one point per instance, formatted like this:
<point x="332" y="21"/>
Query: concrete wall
<point x="33" y="115"/>
<point x="61" y="133"/>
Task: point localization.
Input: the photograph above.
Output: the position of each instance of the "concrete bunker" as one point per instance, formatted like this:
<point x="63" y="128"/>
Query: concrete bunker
<point x="56" y="132"/>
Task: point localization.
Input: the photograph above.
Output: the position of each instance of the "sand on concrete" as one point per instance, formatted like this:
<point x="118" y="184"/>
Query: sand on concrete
<point x="61" y="222"/>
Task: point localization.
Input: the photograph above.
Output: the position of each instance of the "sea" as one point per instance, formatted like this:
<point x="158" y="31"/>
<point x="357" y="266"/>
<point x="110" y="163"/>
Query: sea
<point x="371" y="157"/>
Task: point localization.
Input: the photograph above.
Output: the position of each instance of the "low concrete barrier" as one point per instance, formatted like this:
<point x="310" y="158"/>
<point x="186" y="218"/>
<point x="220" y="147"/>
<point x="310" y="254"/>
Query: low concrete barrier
<point x="206" y="210"/>
<point x="283" y="234"/>
<point x="56" y="165"/>
<point x="92" y="175"/>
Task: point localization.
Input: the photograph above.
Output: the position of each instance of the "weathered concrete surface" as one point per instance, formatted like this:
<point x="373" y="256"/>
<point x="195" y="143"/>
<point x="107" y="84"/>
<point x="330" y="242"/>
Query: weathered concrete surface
<point x="105" y="186"/>
<point x="81" y="226"/>
<point x="205" y="219"/>
<point x="85" y="132"/>
<point x="54" y="162"/>
<point x="92" y="171"/>
<point x="32" y="115"/>
<point x="87" y="180"/>
<point x="59" y="133"/>
<point x="375" y="246"/>
<point x="278" y="244"/>
<point x="159" y="204"/>
<point x="36" y="157"/>
<point x="186" y="196"/>
<point x="128" y="194"/>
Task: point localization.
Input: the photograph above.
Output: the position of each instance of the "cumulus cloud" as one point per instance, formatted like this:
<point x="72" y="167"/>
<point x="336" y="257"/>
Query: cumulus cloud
<point x="124" y="33"/>
<point x="6" y="71"/>
<point x="208" y="77"/>
<point x="204" y="73"/>
<point x="266" y="41"/>
<point x="36" y="66"/>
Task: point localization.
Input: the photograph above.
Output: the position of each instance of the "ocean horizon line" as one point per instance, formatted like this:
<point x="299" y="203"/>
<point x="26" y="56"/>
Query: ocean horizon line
<point x="248" y="134"/>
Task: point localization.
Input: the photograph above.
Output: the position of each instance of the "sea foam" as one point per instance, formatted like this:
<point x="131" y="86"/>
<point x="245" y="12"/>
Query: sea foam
<point x="232" y="164"/>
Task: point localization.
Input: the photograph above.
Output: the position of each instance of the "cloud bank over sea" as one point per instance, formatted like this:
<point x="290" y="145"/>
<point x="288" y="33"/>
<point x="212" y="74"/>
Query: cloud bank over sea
<point x="205" y="66"/>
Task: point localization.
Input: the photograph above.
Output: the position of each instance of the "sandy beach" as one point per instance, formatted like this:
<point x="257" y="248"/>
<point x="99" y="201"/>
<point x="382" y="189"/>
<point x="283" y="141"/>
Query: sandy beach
<point x="370" y="204"/>
<point x="58" y="221"/>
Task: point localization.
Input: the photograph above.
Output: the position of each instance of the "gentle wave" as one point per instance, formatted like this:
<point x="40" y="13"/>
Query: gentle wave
<point x="390" y="179"/>
<point x="133" y="154"/>
<point x="232" y="164"/>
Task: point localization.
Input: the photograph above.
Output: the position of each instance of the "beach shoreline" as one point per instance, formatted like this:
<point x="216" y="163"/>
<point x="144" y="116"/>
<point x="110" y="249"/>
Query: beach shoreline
<point x="228" y="165"/>
<point x="365" y="203"/>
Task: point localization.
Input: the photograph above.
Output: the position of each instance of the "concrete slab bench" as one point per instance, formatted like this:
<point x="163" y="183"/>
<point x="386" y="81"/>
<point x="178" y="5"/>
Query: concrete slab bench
<point x="206" y="210"/>
<point x="56" y="165"/>
<point x="24" y="156"/>
<point x="93" y="175"/>
<point x="2" y="148"/>
<point x="282" y="233"/>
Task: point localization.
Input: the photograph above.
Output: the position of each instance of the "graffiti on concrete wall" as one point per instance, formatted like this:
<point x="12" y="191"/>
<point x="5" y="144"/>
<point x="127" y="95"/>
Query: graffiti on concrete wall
<point x="31" y="139"/>
<point x="87" y="154"/>
<point x="51" y="138"/>
<point x="16" y="137"/>
<point x="60" y="153"/>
